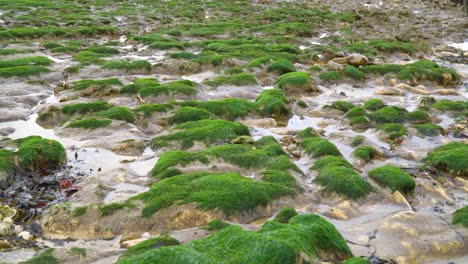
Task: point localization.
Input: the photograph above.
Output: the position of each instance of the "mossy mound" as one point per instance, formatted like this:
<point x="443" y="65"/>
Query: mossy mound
<point x="394" y="178"/>
<point x="84" y="108"/>
<point x="285" y="214"/>
<point x="392" y="131"/>
<point x="389" y="114"/>
<point x="38" y="153"/>
<point x="6" y="162"/>
<point x="90" y="123"/>
<point x="303" y="238"/>
<point x="460" y="216"/>
<point x="241" y="79"/>
<point x="330" y="161"/>
<point x="418" y="117"/>
<point x="366" y="153"/>
<point x="330" y="76"/>
<point x="341" y="105"/>
<point x="273" y="103"/>
<point x="24" y="67"/>
<point x="307" y="133"/>
<point x="429" y="130"/>
<point x="101" y="84"/>
<point x="354" y="73"/>
<point x="374" y="104"/>
<point x="188" y="113"/>
<point x="317" y="147"/>
<point x="451" y="157"/>
<point x="281" y="66"/>
<point x="180" y="87"/>
<point x="150" y="244"/>
<point x="295" y="83"/>
<point x="356" y="112"/>
<point x="450" y="106"/>
<point x="118" y="113"/>
<point x="215" y="225"/>
<point x="139" y="84"/>
<point x="357" y="140"/>
<point x="229" y="192"/>
<point x="207" y="131"/>
<point x="230" y="108"/>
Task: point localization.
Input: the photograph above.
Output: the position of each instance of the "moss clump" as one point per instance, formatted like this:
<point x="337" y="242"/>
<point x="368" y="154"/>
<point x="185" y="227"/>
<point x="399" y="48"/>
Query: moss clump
<point x="388" y="114"/>
<point x="427" y="70"/>
<point x="273" y="103"/>
<point x="360" y="122"/>
<point x="285" y="214"/>
<point x="460" y="216"/>
<point x="207" y="131"/>
<point x="451" y="157"/>
<point x="84" y="108"/>
<point x="230" y="108"/>
<point x="342" y="105"/>
<point x="22" y="71"/>
<point x="393" y="177"/>
<point x="215" y="225"/>
<point x="41" y="154"/>
<point x="418" y="117"/>
<point x="373" y="104"/>
<point x="354" y="73"/>
<point x="241" y="79"/>
<point x="78" y="251"/>
<point x="229" y="192"/>
<point x="109" y="209"/>
<point x="118" y="113"/>
<point x="307" y="133"/>
<point x="138" y="84"/>
<point x="393" y="131"/>
<point x="79" y="211"/>
<point x="45" y="257"/>
<point x="36" y="60"/>
<point x="366" y="153"/>
<point x="357" y="140"/>
<point x="304" y="235"/>
<point x="451" y="106"/>
<point x="257" y="63"/>
<point x="149" y="109"/>
<point x="336" y="176"/>
<point x="429" y="130"/>
<point x="6" y="162"/>
<point x="148" y="245"/>
<point x="330" y="76"/>
<point x="141" y="65"/>
<point x="296" y="83"/>
<point x="180" y="87"/>
<point x="317" y="147"/>
<point x="281" y="66"/>
<point x="102" y="84"/>
<point x="188" y="113"/>
<point x="90" y="123"/>
<point x="355" y="112"/>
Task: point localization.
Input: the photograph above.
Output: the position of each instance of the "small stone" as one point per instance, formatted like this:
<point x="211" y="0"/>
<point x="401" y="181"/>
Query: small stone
<point x="389" y="91"/>
<point x="333" y="66"/>
<point x="322" y="124"/>
<point x="297" y="153"/>
<point x="6" y="229"/>
<point x="5" y="244"/>
<point x="357" y="59"/>
<point x="292" y="148"/>
<point x="25" y="235"/>
<point x="343" y="60"/>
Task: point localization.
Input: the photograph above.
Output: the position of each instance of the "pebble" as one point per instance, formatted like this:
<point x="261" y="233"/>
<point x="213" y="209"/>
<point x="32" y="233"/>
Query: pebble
<point x="5" y="244"/>
<point x="25" y="235"/>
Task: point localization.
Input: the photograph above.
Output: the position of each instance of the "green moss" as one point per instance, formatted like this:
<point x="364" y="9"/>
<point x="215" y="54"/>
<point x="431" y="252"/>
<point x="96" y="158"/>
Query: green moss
<point x="118" y="113"/>
<point x="257" y="63"/>
<point x="41" y="154"/>
<point x="79" y="211"/>
<point x="84" y="108"/>
<point x="279" y="176"/>
<point x="272" y="103"/>
<point x="188" y="113"/>
<point x="180" y="87"/>
<point x="46" y="257"/>
<point x="307" y="133"/>
<point x="357" y="140"/>
<point x="451" y="157"/>
<point x="78" y="251"/>
<point x="392" y="46"/>
<point x="215" y="225"/>
<point x="354" y="73"/>
<point x="72" y="69"/>
<point x="296" y="82"/>
<point x="330" y="76"/>
<point x="429" y="130"/>
<point x="6" y="161"/>
<point x="102" y="84"/>
<point x="317" y="147"/>
<point x="394" y="178"/>
<point x="360" y="122"/>
<point x="342" y="105"/>
<point x="460" y="216"/>
<point x="366" y="153"/>
<point x="389" y="114"/>
<point x="355" y="260"/>
<point x="127" y="66"/>
<point x="241" y="79"/>
<point x="355" y="112"/>
<point x="207" y="131"/>
<point x="452" y="106"/>
<point x="36" y="60"/>
<point x="281" y="66"/>
<point x="373" y="104"/>
<point x="229" y="192"/>
<point x="304" y="235"/>
<point x="149" y="109"/>
<point x="427" y="70"/>
<point x="285" y="214"/>
<point x="230" y="108"/>
<point x="148" y="245"/>
<point x="103" y="50"/>
<point x="109" y="209"/>
<point x="88" y="57"/>
<point x="138" y="84"/>
<point x="393" y="131"/>
<point x="330" y="161"/>
<point x="90" y="123"/>
<point x="418" y="117"/>
<point x="343" y="181"/>
<point x="22" y="71"/>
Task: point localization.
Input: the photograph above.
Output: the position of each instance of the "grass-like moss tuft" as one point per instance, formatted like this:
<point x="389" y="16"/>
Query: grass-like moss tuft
<point x="394" y="178"/>
<point x="317" y="147"/>
<point x="90" y="123"/>
<point x="460" y="216"/>
<point x="41" y="154"/>
<point x="281" y="66"/>
<point x="241" y="79"/>
<point x="296" y="83"/>
<point x="451" y="157"/>
<point x="285" y="214"/>
<point x="366" y="153"/>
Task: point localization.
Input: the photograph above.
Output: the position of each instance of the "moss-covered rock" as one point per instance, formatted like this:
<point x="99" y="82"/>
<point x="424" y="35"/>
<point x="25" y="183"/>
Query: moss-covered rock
<point x="229" y="108"/>
<point x="90" y="123"/>
<point x="418" y="117"/>
<point x="281" y="66"/>
<point x="374" y="104"/>
<point x="6" y="163"/>
<point x="285" y="214"/>
<point x="450" y="106"/>
<point x="429" y="130"/>
<point x="389" y="176"/>
<point x="330" y="76"/>
<point x="355" y="112"/>
<point x="392" y="131"/>
<point x="188" y="113"/>
<point x="41" y="154"/>
<point x="317" y="147"/>
<point x="241" y="79"/>
<point x="215" y="225"/>
<point x="175" y="88"/>
<point x="341" y="105"/>
<point x="366" y="153"/>
<point x="149" y="244"/>
<point x="307" y="133"/>
<point x="303" y="238"/>
<point x="295" y="83"/>
<point x="84" y="108"/>
<point x="460" y="217"/>
<point x="273" y="103"/>
<point x="388" y="114"/>
<point x="451" y="157"/>
<point x="118" y="113"/>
